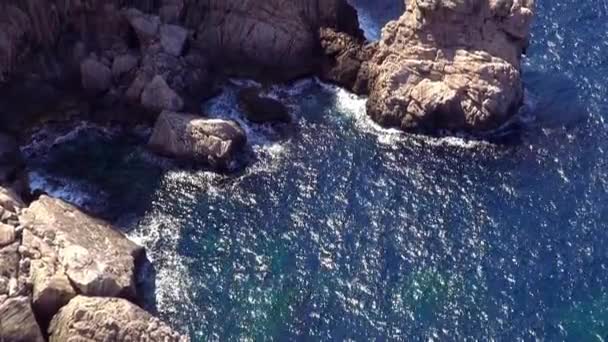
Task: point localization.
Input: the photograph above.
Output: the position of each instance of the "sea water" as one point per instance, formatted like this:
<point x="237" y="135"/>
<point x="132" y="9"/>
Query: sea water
<point x="338" y="229"/>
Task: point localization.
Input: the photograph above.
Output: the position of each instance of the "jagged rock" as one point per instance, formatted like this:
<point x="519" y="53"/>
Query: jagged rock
<point x="97" y="259"/>
<point x="173" y="39"/>
<point x="158" y="96"/>
<point x="344" y="59"/>
<point x="96" y="76"/>
<point x="123" y="64"/>
<point x="7" y="234"/>
<point x="450" y="64"/>
<point x="145" y="26"/>
<point x="261" y="109"/>
<point x="273" y="39"/>
<point x="191" y="137"/>
<point x="10" y="201"/>
<point x="17" y="321"/>
<point x="108" y="319"/>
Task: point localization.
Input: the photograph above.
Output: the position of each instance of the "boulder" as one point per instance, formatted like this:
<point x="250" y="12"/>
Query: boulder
<point x="51" y="287"/>
<point x="108" y="319"/>
<point x="260" y="109"/>
<point x="17" y="321"/>
<point x="173" y="39"/>
<point x="450" y="64"/>
<point x="158" y="96"/>
<point x="123" y="64"/>
<point x="97" y="259"/>
<point x="185" y="136"/>
<point x="96" y="77"/>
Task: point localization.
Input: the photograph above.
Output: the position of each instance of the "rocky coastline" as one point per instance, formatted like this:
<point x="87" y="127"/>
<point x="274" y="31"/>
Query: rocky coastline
<point x="444" y="64"/>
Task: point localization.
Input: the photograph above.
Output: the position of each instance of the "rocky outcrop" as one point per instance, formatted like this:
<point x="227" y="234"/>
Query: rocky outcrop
<point x="189" y="137"/>
<point x="445" y="64"/>
<point x="262" y="109"/>
<point x="108" y="319"/>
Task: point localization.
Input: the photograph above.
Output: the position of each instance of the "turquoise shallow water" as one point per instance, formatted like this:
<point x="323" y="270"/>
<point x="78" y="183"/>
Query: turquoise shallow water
<point x="338" y="229"/>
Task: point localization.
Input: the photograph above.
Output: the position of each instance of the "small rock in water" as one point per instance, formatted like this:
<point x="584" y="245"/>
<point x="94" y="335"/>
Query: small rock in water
<point x="260" y="109"/>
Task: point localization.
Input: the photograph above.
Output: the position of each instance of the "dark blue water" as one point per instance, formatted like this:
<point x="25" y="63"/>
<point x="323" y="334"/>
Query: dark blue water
<point x="340" y="230"/>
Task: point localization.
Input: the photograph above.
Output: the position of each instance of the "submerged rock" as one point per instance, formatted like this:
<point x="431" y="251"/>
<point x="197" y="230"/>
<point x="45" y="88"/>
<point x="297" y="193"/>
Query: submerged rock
<point x="260" y="109"/>
<point x="450" y="64"/>
<point x="108" y="319"/>
<point x="185" y="136"/>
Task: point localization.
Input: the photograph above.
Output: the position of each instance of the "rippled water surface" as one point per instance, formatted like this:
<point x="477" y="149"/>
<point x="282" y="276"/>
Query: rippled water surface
<point x="339" y="230"/>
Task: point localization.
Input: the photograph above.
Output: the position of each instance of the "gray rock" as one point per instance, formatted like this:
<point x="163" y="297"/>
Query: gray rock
<point x="212" y="141"/>
<point x="123" y="64"/>
<point x="158" y="96"/>
<point x="145" y="26"/>
<point x="108" y="319"/>
<point x="173" y="39"/>
<point x="96" y="77"/>
<point x="17" y="321"/>
<point x="97" y="259"/>
<point x="51" y="288"/>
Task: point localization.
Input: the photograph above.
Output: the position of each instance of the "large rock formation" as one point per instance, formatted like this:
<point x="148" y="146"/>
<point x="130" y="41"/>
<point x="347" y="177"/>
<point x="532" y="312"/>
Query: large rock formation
<point x="445" y="64"/>
<point x="211" y="141"/>
<point x="108" y="319"/>
<point x="271" y="39"/>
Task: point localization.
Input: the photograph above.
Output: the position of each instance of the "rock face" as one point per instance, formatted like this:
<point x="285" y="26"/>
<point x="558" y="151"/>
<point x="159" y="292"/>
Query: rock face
<point x="272" y="39"/>
<point x="185" y="136"/>
<point x="17" y="321"/>
<point x="450" y="64"/>
<point x="108" y="319"/>
<point x="260" y="109"/>
<point x="13" y="175"/>
<point x="73" y="253"/>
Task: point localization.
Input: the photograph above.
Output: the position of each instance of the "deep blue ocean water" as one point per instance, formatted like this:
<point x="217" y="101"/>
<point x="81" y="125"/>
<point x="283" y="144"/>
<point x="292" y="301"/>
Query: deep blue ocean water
<point x="340" y="230"/>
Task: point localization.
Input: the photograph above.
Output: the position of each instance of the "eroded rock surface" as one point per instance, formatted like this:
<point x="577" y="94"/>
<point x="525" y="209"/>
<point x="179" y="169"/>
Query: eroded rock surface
<point x="211" y="141"/>
<point x="452" y="64"/>
<point x="108" y="319"/>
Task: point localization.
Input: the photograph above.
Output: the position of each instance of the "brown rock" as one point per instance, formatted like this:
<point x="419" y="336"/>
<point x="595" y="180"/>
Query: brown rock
<point x="108" y="319"/>
<point x="51" y="288"/>
<point x="17" y="321"/>
<point x="185" y="136"/>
